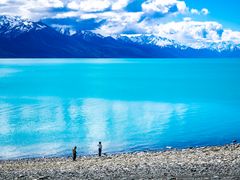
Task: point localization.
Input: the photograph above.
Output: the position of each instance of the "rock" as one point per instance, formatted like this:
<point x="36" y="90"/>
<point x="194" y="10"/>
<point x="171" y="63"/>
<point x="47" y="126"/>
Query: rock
<point x="202" y="162"/>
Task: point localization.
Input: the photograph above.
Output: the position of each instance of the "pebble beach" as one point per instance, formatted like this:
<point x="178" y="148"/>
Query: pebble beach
<point x="219" y="162"/>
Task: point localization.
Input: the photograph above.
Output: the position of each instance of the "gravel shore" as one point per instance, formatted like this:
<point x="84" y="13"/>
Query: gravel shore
<point x="198" y="163"/>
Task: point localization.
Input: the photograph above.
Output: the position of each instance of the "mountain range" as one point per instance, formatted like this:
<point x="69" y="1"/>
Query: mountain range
<point x="20" y="38"/>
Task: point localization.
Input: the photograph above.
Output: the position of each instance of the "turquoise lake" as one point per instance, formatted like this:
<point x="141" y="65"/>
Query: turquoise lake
<point x="48" y="106"/>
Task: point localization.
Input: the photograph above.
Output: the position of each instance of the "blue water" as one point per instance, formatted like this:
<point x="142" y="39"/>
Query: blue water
<point x="49" y="106"/>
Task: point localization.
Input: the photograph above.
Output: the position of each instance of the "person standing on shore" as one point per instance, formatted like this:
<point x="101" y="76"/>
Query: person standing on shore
<point x="74" y="153"/>
<point x="100" y="149"/>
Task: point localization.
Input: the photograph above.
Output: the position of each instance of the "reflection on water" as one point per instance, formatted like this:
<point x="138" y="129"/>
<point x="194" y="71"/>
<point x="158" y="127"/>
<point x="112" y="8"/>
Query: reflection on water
<point x="51" y="61"/>
<point x="48" y="126"/>
<point x="4" y="117"/>
<point x="7" y="71"/>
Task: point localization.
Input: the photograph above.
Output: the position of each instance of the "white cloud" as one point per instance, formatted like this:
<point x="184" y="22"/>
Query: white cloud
<point x="182" y="7"/>
<point x="190" y="30"/>
<point x="164" y="6"/>
<point x="89" y="16"/>
<point x="195" y="11"/>
<point x="33" y="9"/>
<point x="229" y="35"/>
<point x="117" y="22"/>
<point x="194" y="33"/>
<point x="73" y="5"/>
<point x="67" y="15"/>
<point x="187" y="19"/>
<point x="97" y="5"/>
<point x="3" y="1"/>
<point x="89" y="5"/>
<point x="40" y="4"/>
<point x="119" y="4"/>
<point x="205" y="11"/>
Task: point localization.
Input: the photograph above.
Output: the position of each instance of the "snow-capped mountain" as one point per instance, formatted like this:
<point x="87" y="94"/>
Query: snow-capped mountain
<point x="148" y="39"/>
<point x="24" y="38"/>
<point x="156" y="40"/>
<point x="216" y="46"/>
<point x="87" y="35"/>
<point x="65" y="30"/>
<point x="13" y="26"/>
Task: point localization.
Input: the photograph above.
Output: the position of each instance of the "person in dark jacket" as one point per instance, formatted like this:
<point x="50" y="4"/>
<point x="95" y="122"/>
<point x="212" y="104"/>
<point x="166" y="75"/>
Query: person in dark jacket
<point x="74" y="153"/>
<point x="100" y="149"/>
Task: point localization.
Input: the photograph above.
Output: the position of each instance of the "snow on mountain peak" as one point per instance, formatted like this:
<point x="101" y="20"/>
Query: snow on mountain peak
<point x="149" y="39"/>
<point x="14" y="25"/>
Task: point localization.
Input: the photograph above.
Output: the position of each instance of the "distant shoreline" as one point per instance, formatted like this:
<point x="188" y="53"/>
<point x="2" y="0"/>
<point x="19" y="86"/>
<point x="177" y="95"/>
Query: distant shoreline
<point x="218" y="162"/>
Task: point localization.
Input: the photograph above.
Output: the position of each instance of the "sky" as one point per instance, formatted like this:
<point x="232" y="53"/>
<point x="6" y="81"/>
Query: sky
<point x="223" y="11"/>
<point x="183" y="20"/>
